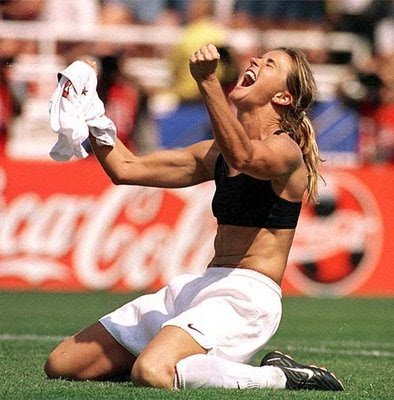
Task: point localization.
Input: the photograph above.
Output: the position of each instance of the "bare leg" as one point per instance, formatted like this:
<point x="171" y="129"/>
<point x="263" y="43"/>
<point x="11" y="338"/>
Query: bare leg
<point x="90" y="354"/>
<point x="155" y="366"/>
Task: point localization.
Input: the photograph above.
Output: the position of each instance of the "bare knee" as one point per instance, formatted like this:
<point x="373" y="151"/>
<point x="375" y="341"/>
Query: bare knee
<point x="60" y="363"/>
<point x="54" y="367"/>
<point x="147" y="372"/>
<point x="91" y="354"/>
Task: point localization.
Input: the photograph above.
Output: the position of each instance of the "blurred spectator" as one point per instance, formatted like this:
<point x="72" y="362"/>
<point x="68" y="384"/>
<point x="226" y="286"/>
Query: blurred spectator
<point x="384" y="114"/>
<point x="57" y="11"/>
<point x="284" y="14"/>
<point x="85" y="13"/>
<point x="60" y="12"/>
<point x="371" y="93"/>
<point x="131" y="11"/>
<point x="177" y="11"/>
<point x="126" y="104"/>
<point x="21" y="10"/>
<point x="384" y="35"/>
<point x="358" y="16"/>
<point x="8" y="104"/>
<point x="200" y="30"/>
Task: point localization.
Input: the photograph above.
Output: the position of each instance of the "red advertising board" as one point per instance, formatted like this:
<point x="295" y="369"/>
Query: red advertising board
<point x="64" y="226"/>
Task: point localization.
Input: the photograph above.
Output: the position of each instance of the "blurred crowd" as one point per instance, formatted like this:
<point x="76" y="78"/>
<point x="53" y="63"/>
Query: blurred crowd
<point x="367" y="89"/>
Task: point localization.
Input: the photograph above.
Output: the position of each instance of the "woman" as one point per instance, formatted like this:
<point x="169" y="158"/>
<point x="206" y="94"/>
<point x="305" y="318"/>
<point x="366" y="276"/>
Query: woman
<point x="200" y="331"/>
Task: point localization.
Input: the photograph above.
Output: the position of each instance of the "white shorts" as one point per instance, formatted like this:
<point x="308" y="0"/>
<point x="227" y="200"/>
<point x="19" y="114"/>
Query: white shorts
<point x="231" y="312"/>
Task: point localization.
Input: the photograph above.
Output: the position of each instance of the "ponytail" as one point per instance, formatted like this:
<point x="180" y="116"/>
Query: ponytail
<point x="305" y="137"/>
<point x="302" y="86"/>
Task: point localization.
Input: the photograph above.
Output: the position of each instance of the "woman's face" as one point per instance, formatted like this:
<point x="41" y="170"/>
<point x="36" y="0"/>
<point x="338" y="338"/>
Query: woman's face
<point x="264" y="78"/>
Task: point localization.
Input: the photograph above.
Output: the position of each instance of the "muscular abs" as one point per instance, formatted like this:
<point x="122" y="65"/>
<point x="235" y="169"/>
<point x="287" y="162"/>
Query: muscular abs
<point x="262" y="250"/>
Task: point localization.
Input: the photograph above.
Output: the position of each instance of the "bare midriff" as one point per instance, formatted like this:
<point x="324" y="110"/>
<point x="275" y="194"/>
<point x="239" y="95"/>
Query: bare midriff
<point x="259" y="249"/>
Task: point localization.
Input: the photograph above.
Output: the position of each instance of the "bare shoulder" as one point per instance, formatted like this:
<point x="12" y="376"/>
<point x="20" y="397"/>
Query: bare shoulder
<point x="282" y="141"/>
<point x="276" y="156"/>
<point x="291" y="185"/>
<point x="283" y="145"/>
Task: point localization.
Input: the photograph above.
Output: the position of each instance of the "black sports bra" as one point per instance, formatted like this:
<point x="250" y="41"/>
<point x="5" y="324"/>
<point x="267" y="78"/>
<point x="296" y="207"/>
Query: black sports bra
<point x="242" y="200"/>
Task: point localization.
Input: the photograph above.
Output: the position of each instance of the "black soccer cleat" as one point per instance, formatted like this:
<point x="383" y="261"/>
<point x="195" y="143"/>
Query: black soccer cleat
<point x="300" y="376"/>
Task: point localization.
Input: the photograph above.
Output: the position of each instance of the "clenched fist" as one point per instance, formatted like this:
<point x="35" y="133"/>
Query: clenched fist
<point x="203" y="62"/>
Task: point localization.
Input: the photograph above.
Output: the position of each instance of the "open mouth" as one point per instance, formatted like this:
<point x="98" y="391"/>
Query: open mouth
<point x="249" y="78"/>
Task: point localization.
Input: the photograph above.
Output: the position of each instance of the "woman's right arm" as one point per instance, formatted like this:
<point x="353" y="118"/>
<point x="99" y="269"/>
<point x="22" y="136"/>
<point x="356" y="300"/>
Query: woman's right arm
<point x="165" y="168"/>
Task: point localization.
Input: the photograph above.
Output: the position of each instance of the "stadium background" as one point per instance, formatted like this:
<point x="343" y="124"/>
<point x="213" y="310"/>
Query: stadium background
<point x="65" y="227"/>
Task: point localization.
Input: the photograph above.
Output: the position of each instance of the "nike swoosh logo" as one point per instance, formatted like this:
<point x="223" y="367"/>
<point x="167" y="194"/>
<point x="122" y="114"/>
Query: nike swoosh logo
<point x="195" y="329"/>
<point x="306" y="371"/>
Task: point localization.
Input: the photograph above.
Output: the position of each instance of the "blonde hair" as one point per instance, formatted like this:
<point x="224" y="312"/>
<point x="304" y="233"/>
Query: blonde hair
<point x="302" y="86"/>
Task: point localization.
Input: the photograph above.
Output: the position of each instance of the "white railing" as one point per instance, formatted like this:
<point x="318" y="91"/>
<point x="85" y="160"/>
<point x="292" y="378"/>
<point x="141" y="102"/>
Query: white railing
<point x="48" y="34"/>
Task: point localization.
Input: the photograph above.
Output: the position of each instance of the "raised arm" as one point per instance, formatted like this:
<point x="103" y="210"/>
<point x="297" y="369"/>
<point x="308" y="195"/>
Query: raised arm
<point x="264" y="159"/>
<point x="165" y="168"/>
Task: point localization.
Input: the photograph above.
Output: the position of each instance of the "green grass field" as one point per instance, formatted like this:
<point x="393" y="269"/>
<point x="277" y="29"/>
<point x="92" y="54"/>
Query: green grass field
<point x="352" y="337"/>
